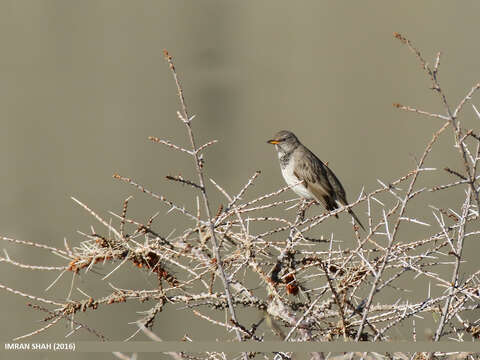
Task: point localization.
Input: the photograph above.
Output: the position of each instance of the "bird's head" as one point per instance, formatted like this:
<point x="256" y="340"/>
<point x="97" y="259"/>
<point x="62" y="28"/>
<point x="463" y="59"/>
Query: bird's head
<point x="285" y="141"/>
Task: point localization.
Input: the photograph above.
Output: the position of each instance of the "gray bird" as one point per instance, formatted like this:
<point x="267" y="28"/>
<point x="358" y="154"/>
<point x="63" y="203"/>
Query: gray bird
<point x="300" y="164"/>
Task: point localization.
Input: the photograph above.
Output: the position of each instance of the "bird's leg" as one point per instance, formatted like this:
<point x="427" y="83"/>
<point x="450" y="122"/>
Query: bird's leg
<point x="304" y="207"/>
<point x="311" y="202"/>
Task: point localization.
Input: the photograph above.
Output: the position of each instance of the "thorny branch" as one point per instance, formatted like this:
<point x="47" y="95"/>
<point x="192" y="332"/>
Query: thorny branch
<point x="305" y="288"/>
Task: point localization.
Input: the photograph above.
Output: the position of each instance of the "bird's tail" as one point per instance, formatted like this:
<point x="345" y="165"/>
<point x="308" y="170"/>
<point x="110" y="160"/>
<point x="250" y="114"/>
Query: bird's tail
<point x="350" y="211"/>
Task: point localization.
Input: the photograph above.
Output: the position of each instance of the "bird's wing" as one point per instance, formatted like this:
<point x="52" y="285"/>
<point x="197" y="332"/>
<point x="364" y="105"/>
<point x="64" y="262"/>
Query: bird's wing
<point x="337" y="186"/>
<point x="315" y="176"/>
<point x="321" y="182"/>
<point x="340" y="195"/>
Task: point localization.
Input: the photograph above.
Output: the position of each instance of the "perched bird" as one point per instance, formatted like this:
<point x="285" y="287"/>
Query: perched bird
<point x="300" y="164"/>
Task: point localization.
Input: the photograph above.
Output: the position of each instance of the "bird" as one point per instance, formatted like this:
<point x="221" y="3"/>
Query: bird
<point x="318" y="182"/>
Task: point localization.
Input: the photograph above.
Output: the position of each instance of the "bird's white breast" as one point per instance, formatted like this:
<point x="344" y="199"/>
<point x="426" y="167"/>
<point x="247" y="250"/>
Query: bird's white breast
<point x="291" y="179"/>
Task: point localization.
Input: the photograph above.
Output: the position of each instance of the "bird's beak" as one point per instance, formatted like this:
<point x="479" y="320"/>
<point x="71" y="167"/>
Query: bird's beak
<point x="273" y="141"/>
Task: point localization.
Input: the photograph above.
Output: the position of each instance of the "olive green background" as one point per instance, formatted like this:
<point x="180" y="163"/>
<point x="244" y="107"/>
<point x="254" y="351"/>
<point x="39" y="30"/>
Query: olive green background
<point x="83" y="84"/>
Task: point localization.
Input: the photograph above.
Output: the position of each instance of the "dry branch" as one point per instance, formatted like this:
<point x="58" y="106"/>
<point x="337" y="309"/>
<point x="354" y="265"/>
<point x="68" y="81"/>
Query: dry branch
<point x="307" y="289"/>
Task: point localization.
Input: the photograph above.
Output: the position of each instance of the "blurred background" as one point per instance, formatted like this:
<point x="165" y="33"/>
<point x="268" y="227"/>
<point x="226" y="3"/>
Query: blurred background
<point x="84" y="83"/>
